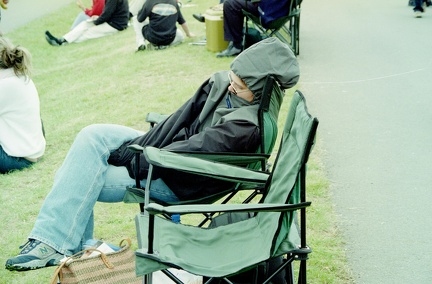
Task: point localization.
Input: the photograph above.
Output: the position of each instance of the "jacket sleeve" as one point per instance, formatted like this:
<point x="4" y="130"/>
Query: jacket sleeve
<point x="180" y="19"/>
<point x="96" y="9"/>
<point x="233" y="136"/>
<point x="144" y="12"/>
<point x="182" y="121"/>
<point x="108" y="11"/>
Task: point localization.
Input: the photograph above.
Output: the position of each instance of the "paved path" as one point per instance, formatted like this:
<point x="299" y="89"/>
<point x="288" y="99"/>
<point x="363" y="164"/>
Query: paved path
<point x="21" y="12"/>
<point x="366" y="73"/>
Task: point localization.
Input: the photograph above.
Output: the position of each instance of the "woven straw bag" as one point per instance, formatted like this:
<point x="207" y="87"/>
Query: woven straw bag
<point x="115" y="267"/>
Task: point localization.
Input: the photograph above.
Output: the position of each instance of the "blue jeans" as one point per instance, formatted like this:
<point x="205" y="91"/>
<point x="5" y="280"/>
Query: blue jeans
<point x="81" y="17"/>
<point x="65" y="220"/>
<point x="9" y="163"/>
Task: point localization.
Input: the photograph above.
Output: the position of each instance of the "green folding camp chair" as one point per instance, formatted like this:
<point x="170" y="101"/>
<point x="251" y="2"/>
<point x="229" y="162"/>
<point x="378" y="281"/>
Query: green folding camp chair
<point x="268" y="112"/>
<point x="286" y="28"/>
<point x="233" y="248"/>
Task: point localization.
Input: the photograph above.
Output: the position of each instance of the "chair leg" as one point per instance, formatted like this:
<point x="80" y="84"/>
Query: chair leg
<point x="297" y="35"/>
<point x="289" y="273"/>
<point x="302" y="273"/>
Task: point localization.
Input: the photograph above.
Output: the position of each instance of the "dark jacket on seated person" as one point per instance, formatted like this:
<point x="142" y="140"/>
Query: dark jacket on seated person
<point x="115" y="13"/>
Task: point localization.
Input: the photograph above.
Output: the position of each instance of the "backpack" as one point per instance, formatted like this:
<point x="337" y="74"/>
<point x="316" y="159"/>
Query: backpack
<point x="251" y="36"/>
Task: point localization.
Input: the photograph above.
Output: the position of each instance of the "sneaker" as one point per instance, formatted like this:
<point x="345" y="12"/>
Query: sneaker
<point x="141" y="47"/>
<point x="230" y="51"/>
<point x="417" y="14"/>
<point x="34" y="255"/>
<point x="151" y="46"/>
<point x="52" y="40"/>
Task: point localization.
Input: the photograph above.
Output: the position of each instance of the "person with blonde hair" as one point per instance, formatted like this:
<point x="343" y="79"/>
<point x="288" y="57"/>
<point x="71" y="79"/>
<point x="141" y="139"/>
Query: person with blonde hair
<point x="22" y="141"/>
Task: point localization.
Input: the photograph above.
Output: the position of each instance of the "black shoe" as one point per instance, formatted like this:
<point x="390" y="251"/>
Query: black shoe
<point x="199" y="17"/>
<point x="52" y="39"/>
<point x="230" y="51"/>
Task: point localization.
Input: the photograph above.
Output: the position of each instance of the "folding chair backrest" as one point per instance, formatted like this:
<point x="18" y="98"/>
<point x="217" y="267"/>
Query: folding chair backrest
<point x="268" y="113"/>
<point x="289" y="170"/>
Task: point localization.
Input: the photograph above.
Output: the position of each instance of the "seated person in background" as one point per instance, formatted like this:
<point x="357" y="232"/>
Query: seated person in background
<point x="267" y="10"/>
<point x="161" y="30"/>
<point x="86" y="14"/>
<point x="22" y="141"/>
<point x="134" y="7"/>
<point x="220" y="117"/>
<point x="114" y="18"/>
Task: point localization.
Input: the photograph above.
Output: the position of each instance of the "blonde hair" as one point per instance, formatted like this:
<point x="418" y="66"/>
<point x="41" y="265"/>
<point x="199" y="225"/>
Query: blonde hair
<point x="16" y="57"/>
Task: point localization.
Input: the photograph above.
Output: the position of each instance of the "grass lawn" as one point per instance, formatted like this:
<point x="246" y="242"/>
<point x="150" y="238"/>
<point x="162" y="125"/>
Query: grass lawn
<point x="105" y="81"/>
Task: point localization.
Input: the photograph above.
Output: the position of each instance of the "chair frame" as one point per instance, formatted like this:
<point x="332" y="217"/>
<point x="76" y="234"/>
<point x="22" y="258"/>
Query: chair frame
<point x="289" y="24"/>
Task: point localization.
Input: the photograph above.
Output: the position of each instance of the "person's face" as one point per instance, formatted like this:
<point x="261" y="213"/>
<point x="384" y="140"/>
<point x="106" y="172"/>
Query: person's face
<point x="239" y="88"/>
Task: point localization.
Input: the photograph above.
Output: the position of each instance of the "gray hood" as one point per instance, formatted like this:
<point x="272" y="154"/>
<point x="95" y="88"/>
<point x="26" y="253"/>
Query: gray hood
<point x="267" y="57"/>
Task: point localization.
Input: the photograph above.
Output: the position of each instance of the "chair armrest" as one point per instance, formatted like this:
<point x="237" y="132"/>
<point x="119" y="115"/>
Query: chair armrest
<point x="224" y="157"/>
<point x="154" y="208"/>
<point x="155" y="118"/>
<point x="167" y="159"/>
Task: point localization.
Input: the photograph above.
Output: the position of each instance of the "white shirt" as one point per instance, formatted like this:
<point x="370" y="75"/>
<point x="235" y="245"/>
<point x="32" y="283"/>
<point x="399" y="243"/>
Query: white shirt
<point x="20" y="123"/>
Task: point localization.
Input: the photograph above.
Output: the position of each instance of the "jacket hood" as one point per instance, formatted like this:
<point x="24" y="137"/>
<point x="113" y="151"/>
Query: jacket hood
<point x="267" y="57"/>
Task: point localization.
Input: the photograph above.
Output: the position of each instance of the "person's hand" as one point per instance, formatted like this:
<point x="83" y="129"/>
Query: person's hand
<point x="191" y="35"/>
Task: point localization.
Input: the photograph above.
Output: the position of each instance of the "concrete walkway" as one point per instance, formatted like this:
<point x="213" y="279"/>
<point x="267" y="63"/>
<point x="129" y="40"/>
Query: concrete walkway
<point x="366" y="73"/>
<point x="21" y="12"/>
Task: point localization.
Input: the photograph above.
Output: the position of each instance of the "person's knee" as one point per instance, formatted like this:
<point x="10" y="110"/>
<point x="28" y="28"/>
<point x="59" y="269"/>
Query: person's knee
<point x="228" y="4"/>
<point x="91" y="131"/>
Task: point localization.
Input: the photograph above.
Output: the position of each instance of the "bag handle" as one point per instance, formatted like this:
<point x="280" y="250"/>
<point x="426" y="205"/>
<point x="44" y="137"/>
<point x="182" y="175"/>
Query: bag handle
<point x="58" y="275"/>
<point x="129" y="242"/>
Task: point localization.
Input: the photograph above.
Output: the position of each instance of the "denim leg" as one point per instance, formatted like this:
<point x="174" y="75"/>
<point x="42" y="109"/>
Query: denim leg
<point x="68" y="209"/>
<point x="8" y="163"/>
<point x="116" y="181"/>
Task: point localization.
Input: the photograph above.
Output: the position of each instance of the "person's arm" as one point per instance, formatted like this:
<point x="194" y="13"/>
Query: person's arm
<point x="80" y="5"/>
<point x="186" y="30"/>
<point x="182" y="22"/>
<point x="108" y="11"/>
<point x="96" y="9"/>
<point x="238" y="136"/>
<point x="144" y="12"/>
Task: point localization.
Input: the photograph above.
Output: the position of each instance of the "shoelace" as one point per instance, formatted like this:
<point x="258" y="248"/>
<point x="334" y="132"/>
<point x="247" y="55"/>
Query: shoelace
<point x="28" y="246"/>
